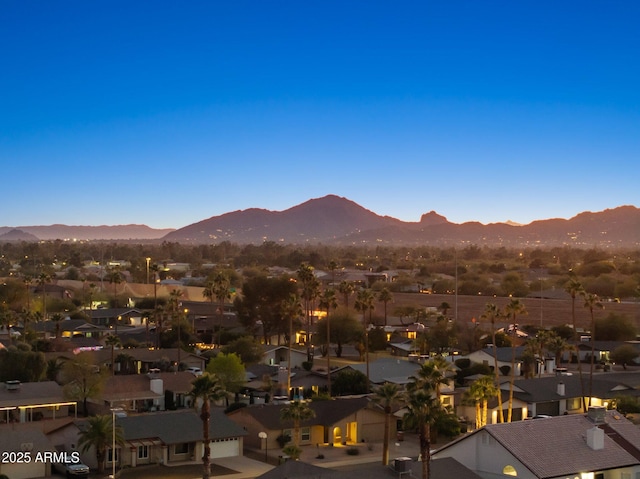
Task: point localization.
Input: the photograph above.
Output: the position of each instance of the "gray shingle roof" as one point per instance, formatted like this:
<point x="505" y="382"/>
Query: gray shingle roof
<point x="178" y="426"/>
<point x="327" y="412"/>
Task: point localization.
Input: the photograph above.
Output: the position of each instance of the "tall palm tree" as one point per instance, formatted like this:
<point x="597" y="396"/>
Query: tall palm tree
<point x="291" y="310"/>
<point x="346" y="289"/>
<point x="328" y="301"/>
<point x="513" y="308"/>
<point x="364" y="304"/>
<point x="98" y="434"/>
<point x="592" y="301"/>
<point x="491" y="313"/>
<point x="43" y="280"/>
<point x="574" y="288"/>
<point x="207" y="389"/>
<point x="309" y="292"/>
<point x="423" y="410"/>
<point x="384" y="296"/>
<point x="386" y="395"/>
<point x="296" y="412"/>
<point x="112" y="341"/>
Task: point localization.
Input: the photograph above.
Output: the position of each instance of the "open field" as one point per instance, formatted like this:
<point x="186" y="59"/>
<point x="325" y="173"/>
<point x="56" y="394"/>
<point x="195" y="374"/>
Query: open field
<point x="548" y="312"/>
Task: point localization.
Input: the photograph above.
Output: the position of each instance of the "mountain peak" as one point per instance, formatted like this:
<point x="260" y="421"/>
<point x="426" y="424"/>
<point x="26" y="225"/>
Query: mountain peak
<point x="432" y="218"/>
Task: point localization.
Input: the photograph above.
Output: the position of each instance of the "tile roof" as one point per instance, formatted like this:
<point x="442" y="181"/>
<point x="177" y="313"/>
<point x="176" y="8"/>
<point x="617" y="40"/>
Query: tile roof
<point x="536" y="444"/>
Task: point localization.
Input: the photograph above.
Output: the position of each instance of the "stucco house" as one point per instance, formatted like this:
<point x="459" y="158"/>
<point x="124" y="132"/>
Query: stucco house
<point x="336" y="422"/>
<point x="33" y="401"/>
<point x="598" y="445"/>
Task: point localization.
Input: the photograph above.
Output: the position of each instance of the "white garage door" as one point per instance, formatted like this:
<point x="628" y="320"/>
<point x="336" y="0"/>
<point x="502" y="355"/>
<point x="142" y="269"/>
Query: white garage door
<point x="225" y="448"/>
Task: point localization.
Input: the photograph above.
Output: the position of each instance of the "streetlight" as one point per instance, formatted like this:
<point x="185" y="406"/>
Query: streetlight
<point x="263" y="435"/>
<point x="114" y="410"/>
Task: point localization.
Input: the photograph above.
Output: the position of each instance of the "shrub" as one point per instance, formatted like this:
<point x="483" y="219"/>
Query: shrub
<point x="353" y="451"/>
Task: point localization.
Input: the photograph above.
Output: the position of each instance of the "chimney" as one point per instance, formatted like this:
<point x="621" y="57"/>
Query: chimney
<point x="597" y="414"/>
<point x="595" y="438"/>
<point x="560" y="389"/>
<point x="157" y="385"/>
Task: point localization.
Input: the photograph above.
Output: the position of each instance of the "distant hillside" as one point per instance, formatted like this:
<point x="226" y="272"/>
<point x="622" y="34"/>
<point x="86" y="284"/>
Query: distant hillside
<point x="64" y="232"/>
<point x="333" y="220"/>
<point x="337" y="220"/>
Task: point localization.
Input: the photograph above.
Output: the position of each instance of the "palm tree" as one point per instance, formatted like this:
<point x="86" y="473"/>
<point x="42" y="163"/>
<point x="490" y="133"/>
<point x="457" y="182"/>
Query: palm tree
<point x="346" y="289"/>
<point x="386" y="395"/>
<point x="291" y="310"/>
<point x="328" y="301"/>
<point x="423" y="410"/>
<point x="57" y="318"/>
<point x="384" y="297"/>
<point x="592" y="302"/>
<point x="364" y="303"/>
<point x="310" y="289"/>
<point x="115" y="278"/>
<point x="206" y="388"/>
<point x="296" y="412"/>
<point x="574" y="288"/>
<point x="112" y="341"/>
<point x="221" y="289"/>
<point x="480" y="391"/>
<point x="491" y="313"/>
<point x="511" y="311"/>
<point x="99" y="435"/>
<point x="42" y="281"/>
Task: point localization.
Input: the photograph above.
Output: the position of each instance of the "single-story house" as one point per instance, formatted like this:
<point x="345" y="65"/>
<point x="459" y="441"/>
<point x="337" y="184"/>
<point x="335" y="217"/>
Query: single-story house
<point x="33" y="401"/>
<point x="600" y="445"/>
<point x="337" y="421"/>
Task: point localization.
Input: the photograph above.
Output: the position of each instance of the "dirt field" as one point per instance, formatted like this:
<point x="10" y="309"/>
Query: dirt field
<point x="548" y="312"/>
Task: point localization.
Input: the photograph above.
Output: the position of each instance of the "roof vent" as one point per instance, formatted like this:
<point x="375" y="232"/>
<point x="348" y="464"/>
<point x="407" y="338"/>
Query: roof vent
<point x="595" y="438"/>
<point x="12" y="385"/>
<point x="597" y="414"/>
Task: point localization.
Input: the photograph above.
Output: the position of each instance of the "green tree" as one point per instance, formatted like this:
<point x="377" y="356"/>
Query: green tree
<point x="21" y="364"/>
<point x="220" y="289"/>
<point x="386" y="395"/>
<point x="228" y="368"/>
<point x="247" y="348"/>
<point x="205" y="390"/>
<point x="296" y="412"/>
<point x="624" y="354"/>
<point x="98" y="433"/>
<point x="82" y="380"/>
<point x="345" y="330"/>
<point x="348" y="382"/>
<point x="615" y="327"/>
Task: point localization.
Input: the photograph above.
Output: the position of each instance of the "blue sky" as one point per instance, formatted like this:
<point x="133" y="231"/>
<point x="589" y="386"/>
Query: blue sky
<point x="167" y="113"/>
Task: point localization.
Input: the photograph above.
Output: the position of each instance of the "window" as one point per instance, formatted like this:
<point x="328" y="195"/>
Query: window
<point x="625" y="475"/>
<point x="574" y="404"/>
<point x="182" y="448"/>
<point x="509" y="471"/>
<point x="110" y="455"/>
<point x="143" y="452"/>
<point x="305" y="434"/>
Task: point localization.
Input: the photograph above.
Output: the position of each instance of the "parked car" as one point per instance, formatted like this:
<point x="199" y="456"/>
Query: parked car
<point x="71" y="469"/>
<point x="195" y="371"/>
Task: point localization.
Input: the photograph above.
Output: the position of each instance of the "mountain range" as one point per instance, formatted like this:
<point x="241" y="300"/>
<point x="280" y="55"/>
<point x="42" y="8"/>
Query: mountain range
<point x="335" y="220"/>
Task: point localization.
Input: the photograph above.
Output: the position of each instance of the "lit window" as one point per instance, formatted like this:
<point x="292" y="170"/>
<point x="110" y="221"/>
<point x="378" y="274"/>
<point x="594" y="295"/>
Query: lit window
<point x="305" y="434"/>
<point x="509" y="471"/>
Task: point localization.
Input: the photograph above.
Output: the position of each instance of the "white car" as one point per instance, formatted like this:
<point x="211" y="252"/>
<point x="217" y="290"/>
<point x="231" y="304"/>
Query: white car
<point x="195" y="371"/>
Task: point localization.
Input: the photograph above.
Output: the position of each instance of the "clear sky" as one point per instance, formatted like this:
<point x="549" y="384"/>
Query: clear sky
<point x="166" y="113"/>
